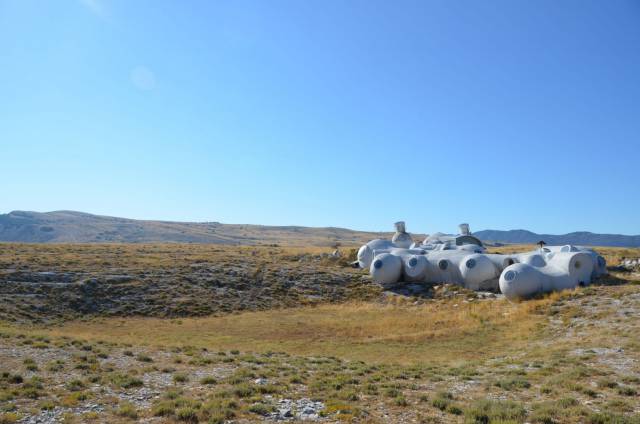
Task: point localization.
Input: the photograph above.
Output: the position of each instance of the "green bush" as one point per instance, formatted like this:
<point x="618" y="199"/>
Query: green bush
<point x="188" y="414"/>
<point x="180" y="378"/>
<point x="513" y="383"/>
<point x="486" y="411"/>
<point x="128" y="410"/>
<point x="75" y="385"/>
<point x="260" y="409"/>
<point x="126" y="381"/>
<point x="209" y="380"/>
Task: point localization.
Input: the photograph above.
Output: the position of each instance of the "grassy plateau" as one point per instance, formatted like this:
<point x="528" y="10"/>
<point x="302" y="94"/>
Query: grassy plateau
<point x="297" y="335"/>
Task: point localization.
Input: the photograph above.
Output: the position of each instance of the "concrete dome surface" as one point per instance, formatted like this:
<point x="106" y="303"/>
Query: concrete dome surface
<point x="462" y="259"/>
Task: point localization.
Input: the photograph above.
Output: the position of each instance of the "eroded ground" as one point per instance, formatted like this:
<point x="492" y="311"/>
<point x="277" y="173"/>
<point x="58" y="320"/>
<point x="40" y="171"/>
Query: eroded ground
<point x="450" y="356"/>
<point x="57" y="282"/>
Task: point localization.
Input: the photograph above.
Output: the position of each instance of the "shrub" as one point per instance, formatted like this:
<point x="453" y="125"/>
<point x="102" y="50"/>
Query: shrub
<point x="188" y="414"/>
<point x="90" y="416"/>
<point x="15" y="379"/>
<point x="75" y="385"/>
<point x="349" y="395"/>
<point x="144" y="358"/>
<point x="440" y="403"/>
<point x="401" y="401"/>
<point x="56" y="365"/>
<point x="126" y="381"/>
<point x="74" y="398"/>
<point x="454" y="409"/>
<point x="47" y="405"/>
<point x="243" y="390"/>
<point x="180" y="378"/>
<point x="259" y="409"/>
<point x="371" y="389"/>
<point x="171" y="394"/>
<point x="486" y="411"/>
<point x="30" y="364"/>
<point x="163" y="409"/>
<point x="209" y="380"/>
<point x="392" y="392"/>
<point x="9" y="418"/>
<point x="608" y="418"/>
<point x="218" y="410"/>
<point x="607" y="382"/>
<point x="128" y="410"/>
<point x="627" y="391"/>
<point x="513" y="383"/>
<point x="442" y="400"/>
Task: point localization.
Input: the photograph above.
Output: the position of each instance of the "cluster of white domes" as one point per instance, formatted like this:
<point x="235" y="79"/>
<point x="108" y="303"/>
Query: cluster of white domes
<point x="462" y="259"/>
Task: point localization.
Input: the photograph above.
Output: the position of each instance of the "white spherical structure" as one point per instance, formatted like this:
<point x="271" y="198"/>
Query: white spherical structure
<point x="386" y="269"/>
<point x="462" y="260"/>
<point x="521" y="281"/>
<point x="477" y="268"/>
<point x="415" y="267"/>
<point x="367" y="251"/>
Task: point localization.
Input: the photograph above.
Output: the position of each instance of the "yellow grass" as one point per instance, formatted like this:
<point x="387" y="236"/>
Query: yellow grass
<point x="439" y="331"/>
<point x="100" y="257"/>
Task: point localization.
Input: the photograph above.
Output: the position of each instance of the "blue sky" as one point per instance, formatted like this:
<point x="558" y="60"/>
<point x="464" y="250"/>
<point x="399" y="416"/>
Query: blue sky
<point x="505" y="114"/>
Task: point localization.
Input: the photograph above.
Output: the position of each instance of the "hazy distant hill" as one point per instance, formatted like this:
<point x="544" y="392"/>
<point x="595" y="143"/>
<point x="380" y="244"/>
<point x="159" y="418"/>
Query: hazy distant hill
<point x="79" y="227"/>
<point x="578" y="238"/>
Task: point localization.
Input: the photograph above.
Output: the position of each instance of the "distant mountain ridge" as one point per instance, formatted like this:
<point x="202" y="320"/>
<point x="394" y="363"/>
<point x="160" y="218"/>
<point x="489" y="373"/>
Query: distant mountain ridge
<point x="81" y="227"/>
<point x="576" y="238"/>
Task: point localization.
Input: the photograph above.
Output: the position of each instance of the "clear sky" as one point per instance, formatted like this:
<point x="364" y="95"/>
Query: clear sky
<point x="504" y="114"/>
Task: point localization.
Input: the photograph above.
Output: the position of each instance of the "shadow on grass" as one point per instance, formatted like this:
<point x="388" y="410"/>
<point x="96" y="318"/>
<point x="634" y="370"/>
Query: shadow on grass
<point x="612" y="280"/>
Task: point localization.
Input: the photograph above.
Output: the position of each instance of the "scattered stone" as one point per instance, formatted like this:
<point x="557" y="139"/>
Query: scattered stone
<point x="631" y="264"/>
<point x="302" y="409"/>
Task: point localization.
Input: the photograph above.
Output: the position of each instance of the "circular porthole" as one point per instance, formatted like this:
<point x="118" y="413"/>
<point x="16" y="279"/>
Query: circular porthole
<point x="578" y="264"/>
<point x="510" y="275"/>
<point x="443" y="264"/>
<point x="471" y="263"/>
<point x="413" y="262"/>
<point x="377" y="264"/>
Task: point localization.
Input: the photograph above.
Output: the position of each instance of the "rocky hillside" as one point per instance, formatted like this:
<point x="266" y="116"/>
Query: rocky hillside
<point x="79" y="227"/>
<point x="49" y="282"/>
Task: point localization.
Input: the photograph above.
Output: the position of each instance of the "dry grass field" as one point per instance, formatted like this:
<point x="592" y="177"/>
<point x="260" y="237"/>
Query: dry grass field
<point x="397" y="332"/>
<point x="353" y="354"/>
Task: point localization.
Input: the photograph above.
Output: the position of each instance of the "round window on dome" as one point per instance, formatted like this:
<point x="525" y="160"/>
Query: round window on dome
<point x="510" y="275"/>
